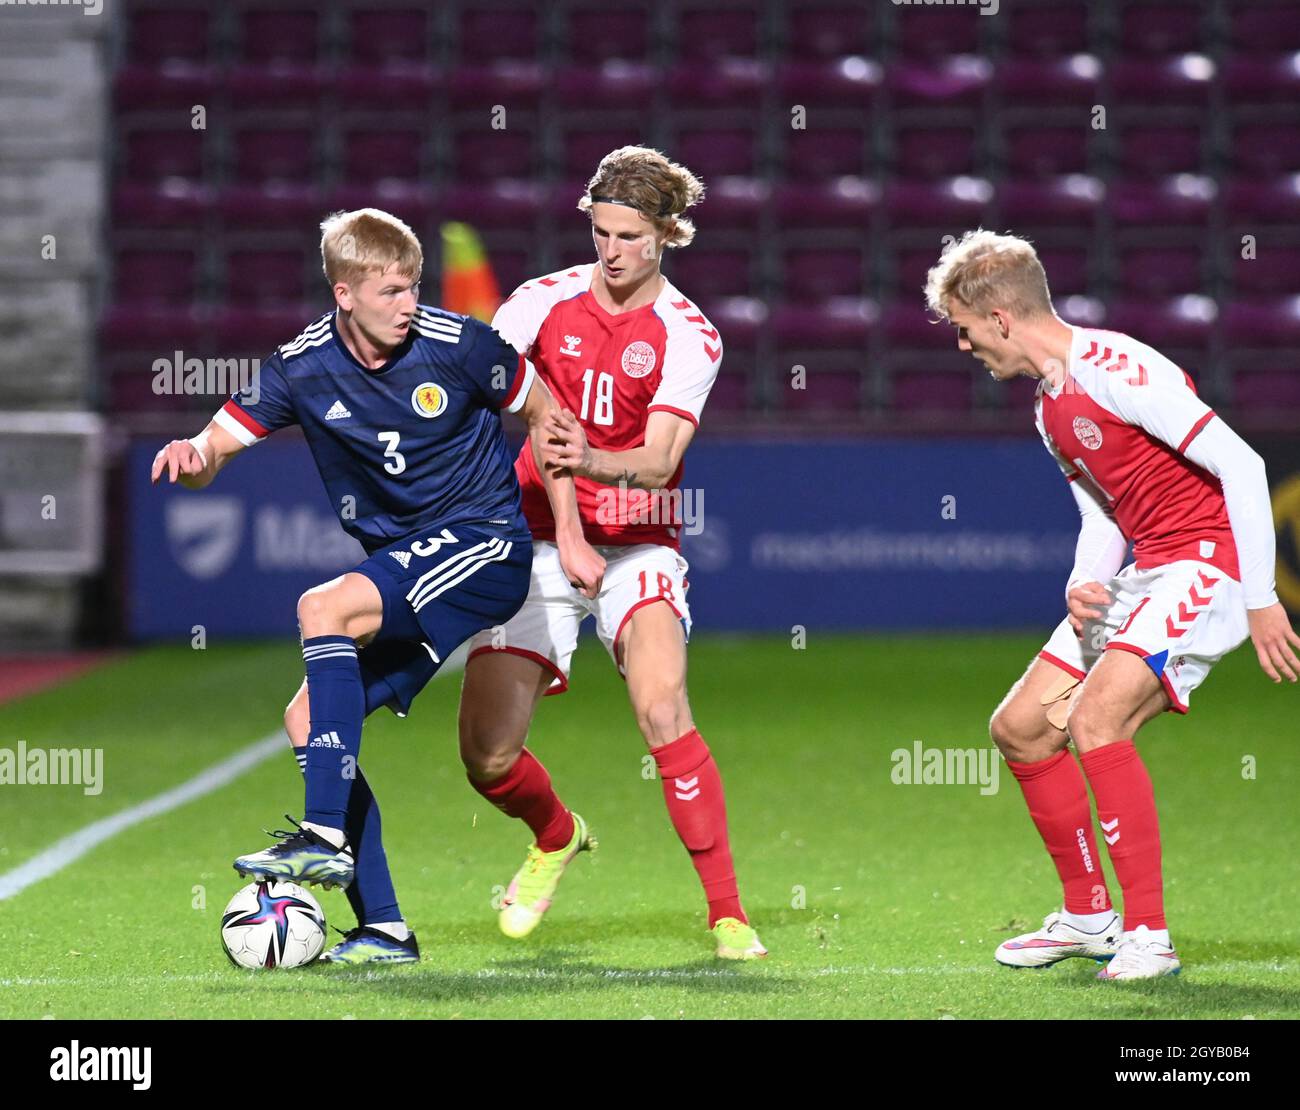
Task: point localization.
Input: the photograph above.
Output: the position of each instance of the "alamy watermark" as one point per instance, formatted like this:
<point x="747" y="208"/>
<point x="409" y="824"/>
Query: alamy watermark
<point x="180" y="376"/>
<point x="682" y="508"/>
<point x="89" y="7"/>
<point x="26" y="766"/>
<point x="922" y="766"/>
<point x="986" y="7"/>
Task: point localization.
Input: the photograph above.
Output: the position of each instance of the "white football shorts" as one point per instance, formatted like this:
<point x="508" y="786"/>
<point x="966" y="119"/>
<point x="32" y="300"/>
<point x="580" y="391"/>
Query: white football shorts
<point x="1180" y="619"/>
<point x="546" y="628"/>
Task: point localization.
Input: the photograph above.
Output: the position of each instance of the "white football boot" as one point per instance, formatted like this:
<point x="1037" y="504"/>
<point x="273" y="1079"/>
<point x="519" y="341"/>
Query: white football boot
<point x="1059" y="939"/>
<point x="1141" y="956"/>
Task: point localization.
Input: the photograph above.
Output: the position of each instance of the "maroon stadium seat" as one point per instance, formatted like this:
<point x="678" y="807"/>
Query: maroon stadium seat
<point x="1047" y="28"/>
<point x="846" y="204"/>
<point x="1263" y="322"/>
<point x="1261" y="81"/>
<point x="611" y="86"/>
<point x="516" y="205"/>
<point x="274" y="88"/>
<point x="828" y="30"/>
<point x="948" y="82"/>
<point x="1156" y="151"/>
<point x="395" y="34"/>
<point x="491" y="31"/>
<point x="275" y="153"/>
<point x="155" y="276"/>
<point x="818" y="273"/>
<point x="1160" y="271"/>
<point x="152" y="154"/>
<point x="375" y="152"/>
<point x="270" y="206"/>
<point x="265" y="277"/>
<point x="173" y="85"/>
<point x="1165" y="27"/>
<point x="1170" y="325"/>
<point x="603" y="30"/>
<point x="725" y="150"/>
<point x="584" y="146"/>
<point x="1036" y="151"/>
<point x="275" y="31"/>
<point x="714" y="30"/>
<point x="1264" y="25"/>
<point x="1268" y="386"/>
<point x="706" y="272"/>
<point x="1266" y="149"/>
<point x="161" y="31"/>
<point x="1274" y="269"/>
<point x="929" y="152"/>
<point x="1175" y="200"/>
<point x="482" y="154"/>
<point x="917" y="390"/>
<point x="938" y="32"/>
<point x="823" y="152"/>
<point x="849" y="84"/>
<point x="1032" y="83"/>
<point x="169" y="204"/>
<point x="1153" y="84"/>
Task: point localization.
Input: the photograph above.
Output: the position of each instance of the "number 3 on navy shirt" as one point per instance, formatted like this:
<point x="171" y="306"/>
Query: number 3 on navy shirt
<point x="397" y="462"/>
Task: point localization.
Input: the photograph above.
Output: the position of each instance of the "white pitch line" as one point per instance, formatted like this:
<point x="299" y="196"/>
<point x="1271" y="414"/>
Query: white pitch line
<point x="75" y="845"/>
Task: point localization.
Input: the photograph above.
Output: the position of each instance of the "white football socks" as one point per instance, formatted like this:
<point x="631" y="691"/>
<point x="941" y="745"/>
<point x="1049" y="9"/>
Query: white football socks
<point x="1089" y="922"/>
<point x="325" y="832"/>
<point x="395" y="929"/>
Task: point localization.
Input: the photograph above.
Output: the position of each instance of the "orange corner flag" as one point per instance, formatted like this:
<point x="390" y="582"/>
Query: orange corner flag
<point x="468" y="284"/>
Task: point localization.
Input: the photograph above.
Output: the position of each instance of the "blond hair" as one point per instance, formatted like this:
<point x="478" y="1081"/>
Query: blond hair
<point x="645" y="179"/>
<point x="364" y="241"/>
<point x="985" y="270"/>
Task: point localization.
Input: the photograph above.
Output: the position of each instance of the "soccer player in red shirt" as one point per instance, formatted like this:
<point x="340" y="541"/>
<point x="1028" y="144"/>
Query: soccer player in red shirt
<point x="630" y="361"/>
<point x="1149" y="464"/>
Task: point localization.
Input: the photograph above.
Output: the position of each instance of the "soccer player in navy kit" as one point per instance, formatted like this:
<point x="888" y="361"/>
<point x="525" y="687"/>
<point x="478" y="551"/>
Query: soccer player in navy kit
<point x="400" y="406"/>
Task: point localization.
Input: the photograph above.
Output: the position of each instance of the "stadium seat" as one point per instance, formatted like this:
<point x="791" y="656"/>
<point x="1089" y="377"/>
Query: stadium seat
<point x="929" y="152"/>
<point x="275" y="31"/>
<point x="512" y="204"/>
<point x="1266" y="149"/>
<point x="1047" y="28"/>
<point x="725" y="150"/>
<point x="733" y="202"/>
<point x="583" y="147"/>
<point x="949" y="82"/>
<point x="611" y="86"/>
<point x="270" y="206"/>
<point x="391" y="35"/>
<point x="1032" y="84"/>
<point x="480" y="153"/>
<point x="1270" y="80"/>
<point x="174" y="85"/>
<point x="493" y="31"/>
<point x="1165" y="27"/>
<point x="275" y="153"/>
<point x="1158" y="151"/>
<point x="599" y="29"/>
<point x="732" y="84"/>
<point x="937" y="32"/>
<point x="1271" y="202"/>
<point x="1275" y="268"/>
<point x="265" y="277"/>
<point x="169" y="204"/>
<point x="1263" y="322"/>
<point x="239" y="332"/>
<point x="704" y="272"/>
<point x="1157" y="271"/>
<point x="1264" y="25"/>
<point x="274" y="88"/>
<point x="163" y="31"/>
<point x="830" y="342"/>
<point x="155" y="276"/>
<point x="1177" y="324"/>
<point x="1037" y="151"/>
<point x="411" y="202"/>
<point x="918" y="390"/>
<point x="952" y="205"/>
<point x="826" y="152"/>
<point x="1152" y="85"/>
<point x="817" y="273"/>
<point x="827" y="30"/>
<point x="847" y="84"/>
<point x="373" y="152"/>
<point x="846" y="204"/>
<point x="404" y="88"/>
<point x="1180" y="200"/>
<point x="152" y="154"/>
<point x="707" y="30"/>
<point x="1267" y="386"/>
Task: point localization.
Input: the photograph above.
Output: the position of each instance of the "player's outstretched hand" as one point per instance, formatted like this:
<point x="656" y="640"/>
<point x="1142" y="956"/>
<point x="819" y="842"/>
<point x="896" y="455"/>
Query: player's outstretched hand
<point x="1275" y="641"/>
<point x="585" y="567"/>
<point x="178" y="457"/>
<point x="1085" y="602"/>
<point x="565" y="442"/>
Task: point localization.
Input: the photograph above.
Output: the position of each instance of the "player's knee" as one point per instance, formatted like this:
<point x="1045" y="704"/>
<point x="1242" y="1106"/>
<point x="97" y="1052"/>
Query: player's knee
<point x="663" y="719"/>
<point x="1088" y="725"/>
<point x="313" y="609"/>
<point x="488" y="751"/>
<point x="1017" y="736"/>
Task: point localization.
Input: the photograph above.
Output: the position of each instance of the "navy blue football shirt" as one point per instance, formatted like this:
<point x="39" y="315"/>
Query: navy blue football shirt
<point x="415" y="444"/>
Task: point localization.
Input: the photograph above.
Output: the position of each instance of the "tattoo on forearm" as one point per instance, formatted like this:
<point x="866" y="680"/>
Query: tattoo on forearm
<point x="628" y="478"/>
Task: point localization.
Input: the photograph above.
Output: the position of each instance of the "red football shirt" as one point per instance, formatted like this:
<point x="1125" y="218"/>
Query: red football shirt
<point x="1123" y="416"/>
<point x="611" y="371"/>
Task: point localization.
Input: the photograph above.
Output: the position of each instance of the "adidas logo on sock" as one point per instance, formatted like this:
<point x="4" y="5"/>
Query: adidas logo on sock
<point x="403" y="557"/>
<point x="338" y="411"/>
<point x="326" y="740"/>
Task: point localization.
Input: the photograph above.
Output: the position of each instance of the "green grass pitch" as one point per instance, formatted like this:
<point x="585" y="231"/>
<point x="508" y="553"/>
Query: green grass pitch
<point x="875" y="899"/>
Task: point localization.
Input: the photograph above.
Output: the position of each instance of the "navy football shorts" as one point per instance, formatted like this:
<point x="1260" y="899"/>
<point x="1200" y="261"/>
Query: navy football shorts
<point x="439" y="588"/>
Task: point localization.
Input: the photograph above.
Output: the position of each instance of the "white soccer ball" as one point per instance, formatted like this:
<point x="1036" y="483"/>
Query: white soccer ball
<point x="273" y="924"/>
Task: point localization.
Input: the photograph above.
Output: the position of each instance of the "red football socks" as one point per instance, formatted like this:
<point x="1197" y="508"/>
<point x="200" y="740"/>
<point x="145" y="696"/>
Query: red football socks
<point x="1126" y="810"/>
<point x="1058" y="803"/>
<point x="525" y="792"/>
<point x="693" y="791"/>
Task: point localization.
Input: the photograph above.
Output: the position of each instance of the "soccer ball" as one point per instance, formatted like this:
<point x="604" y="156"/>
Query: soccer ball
<point x="273" y="924"/>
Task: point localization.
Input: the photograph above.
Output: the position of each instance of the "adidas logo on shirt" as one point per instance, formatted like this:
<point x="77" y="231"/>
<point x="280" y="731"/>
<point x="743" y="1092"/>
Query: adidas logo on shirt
<point x="326" y="740"/>
<point x="338" y="411"/>
<point x="403" y="557"/>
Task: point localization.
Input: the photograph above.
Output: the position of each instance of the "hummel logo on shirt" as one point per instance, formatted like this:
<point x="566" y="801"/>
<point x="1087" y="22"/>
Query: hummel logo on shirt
<point x="571" y="343"/>
<point x="326" y="740"/>
<point x="338" y="411"/>
<point x="403" y="557"/>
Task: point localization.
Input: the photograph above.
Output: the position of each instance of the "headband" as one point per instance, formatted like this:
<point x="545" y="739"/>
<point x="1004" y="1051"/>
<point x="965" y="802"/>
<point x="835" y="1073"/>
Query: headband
<point x="664" y="209"/>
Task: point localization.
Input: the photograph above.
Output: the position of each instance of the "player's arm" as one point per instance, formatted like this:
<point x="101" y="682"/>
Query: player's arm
<point x="1171" y="412"/>
<point x="650" y="466"/>
<point x="582" y="563"/>
<point x="1240" y="470"/>
<point x="1098" y="554"/>
<point x="195" y="462"/>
